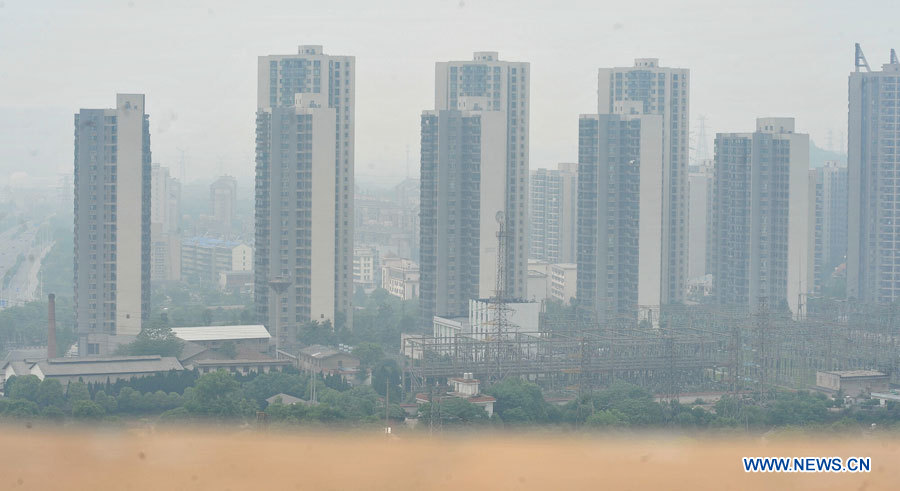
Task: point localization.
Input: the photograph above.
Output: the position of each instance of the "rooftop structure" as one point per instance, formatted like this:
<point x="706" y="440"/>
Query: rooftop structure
<point x="221" y="333"/>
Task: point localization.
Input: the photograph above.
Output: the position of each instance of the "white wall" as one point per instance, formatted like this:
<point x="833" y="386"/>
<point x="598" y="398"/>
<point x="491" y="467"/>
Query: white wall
<point x="129" y="197"/>
<point x="650" y="225"/>
<point x="493" y="196"/>
<point x="323" y="202"/>
<point x="798" y="222"/>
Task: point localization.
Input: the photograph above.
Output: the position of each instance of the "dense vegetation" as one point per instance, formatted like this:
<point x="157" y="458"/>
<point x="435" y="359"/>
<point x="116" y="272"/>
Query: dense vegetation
<point x="223" y="397"/>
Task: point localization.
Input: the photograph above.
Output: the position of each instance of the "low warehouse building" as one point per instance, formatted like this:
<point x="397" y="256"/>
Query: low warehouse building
<point x="101" y="369"/>
<point x="853" y="382"/>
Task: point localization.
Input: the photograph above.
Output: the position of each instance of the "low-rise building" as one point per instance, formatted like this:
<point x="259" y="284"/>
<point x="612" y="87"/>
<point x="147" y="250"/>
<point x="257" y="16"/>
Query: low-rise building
<point x="286" y="399"/>
<point x="365" y="268"/>
<point x="203" y="259"/>
<point x="853" y="383"/>
<point x="94" y="369"/>
<point x="563" y="281"/>
<point x="400" y="277"/>
<point x="327" y="360"/>
<point x="240" y="281"/>
<point x="243" y="366"/>
<point x="253" y="337"/>
<point x="466" y="387"/>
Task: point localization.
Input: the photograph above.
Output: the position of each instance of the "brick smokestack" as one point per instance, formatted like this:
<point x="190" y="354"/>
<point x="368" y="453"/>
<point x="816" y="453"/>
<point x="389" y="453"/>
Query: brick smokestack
<point x="51" y="326"/>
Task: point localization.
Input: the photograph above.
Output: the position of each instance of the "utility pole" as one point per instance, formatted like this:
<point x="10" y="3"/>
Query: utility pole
<point x="387" y="404"/>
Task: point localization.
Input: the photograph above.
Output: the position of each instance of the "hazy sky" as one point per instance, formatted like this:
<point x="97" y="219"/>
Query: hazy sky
<point x="196" y="62"/>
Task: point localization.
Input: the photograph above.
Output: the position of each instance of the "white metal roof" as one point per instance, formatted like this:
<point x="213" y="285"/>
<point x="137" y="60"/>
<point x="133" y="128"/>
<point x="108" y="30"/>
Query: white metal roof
<point x="217" y="333"/>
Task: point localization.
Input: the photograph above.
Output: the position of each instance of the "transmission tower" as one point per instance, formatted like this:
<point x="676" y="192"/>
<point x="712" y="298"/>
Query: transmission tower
<point x="500" y="319"/>
<point x="763" y="328"/>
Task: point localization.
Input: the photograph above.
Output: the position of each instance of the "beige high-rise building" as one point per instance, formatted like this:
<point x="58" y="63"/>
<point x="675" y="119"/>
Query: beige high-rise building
<point x="295" y="222"/>
<point x="665" y="92"/>
<point x="873" y="161"/>
<point x="760" y="244"/>
<point x="621" y="215"/>
<point x="326" y="84"/>
<point x="474" y="170"/>
<point x="112" y="224"/>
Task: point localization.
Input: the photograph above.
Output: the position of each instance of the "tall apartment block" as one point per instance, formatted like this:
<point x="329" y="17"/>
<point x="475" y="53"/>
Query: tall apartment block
<point x="828" y="202"/>
<point x="474" y="173"/>
<point x="759" y="247"/>
<point x="165" y="225"/>
<point x="621" y="215"/>
<point x="223" y="203"/>
<point x="295" y="220"/>
<point x="327" y="86"/>
<point x="553" y="210"/>
<point x="112" y="224"/>
<point x="873" y="162"/>
<point x="665" y="92"/>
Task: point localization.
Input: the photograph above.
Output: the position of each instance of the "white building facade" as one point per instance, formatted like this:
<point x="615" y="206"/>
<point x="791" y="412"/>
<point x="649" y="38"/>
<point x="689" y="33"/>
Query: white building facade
<point x="112" y="224"/>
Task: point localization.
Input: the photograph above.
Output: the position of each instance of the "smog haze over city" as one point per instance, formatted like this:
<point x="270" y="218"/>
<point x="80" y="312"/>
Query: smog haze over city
<point x="446" y="244"/>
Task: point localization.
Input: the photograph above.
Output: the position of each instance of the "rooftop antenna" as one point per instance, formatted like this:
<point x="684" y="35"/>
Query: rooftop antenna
<point x="894" y="60"/>
<point x="861" y="59"/>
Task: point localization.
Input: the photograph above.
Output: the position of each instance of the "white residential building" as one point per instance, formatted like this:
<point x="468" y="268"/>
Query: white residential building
<point x="400" y="277"/>
<point x="873" y="158"/>
<point x="112" y="224"/>
<point x="366" y="270"/>
<point x="665" y="92"/>
<point x="475" y="167"/>
<point x="760" y="235"/>
<point x="326" y="85"/>
<point x="295" y="213"/>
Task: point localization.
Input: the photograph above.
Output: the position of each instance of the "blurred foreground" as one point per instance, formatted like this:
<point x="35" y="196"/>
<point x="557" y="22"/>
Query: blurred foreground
<point x="180" y="458"/>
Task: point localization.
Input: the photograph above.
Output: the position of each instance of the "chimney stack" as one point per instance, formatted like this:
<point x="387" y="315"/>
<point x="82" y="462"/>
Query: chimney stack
<point x="51" y="326"/>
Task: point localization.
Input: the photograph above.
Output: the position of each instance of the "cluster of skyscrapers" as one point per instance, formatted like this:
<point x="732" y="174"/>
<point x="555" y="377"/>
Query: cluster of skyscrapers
<point x="631" y="214"/>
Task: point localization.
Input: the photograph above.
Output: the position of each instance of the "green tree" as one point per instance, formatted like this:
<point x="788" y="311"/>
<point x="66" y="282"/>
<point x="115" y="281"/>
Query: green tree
<point x="77" y="391"/>
<point x="387" y="374"/>
<point x="154" y="340"/>
<point x="108" y="403"/>
<point x="24" y="387"/>
<point x="53" y="413"/>
<point x="19" y="408"/>
<point x="523" y="400"/>
<point x="453" y="410"/>
<point x="607" y="418"/>
<point x="50" y="393"/>
<point x="369" y="355"/>
<point x="218" y="394"/>
<point x="87" y="410"/>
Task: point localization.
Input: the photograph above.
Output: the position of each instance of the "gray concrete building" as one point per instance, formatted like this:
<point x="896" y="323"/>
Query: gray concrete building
<point x="873" y="159"/>
<point x="760" y="222"/>
<point x="295" y="219"/>
<point x="553" y="213"/>
<point x="332" y="79"/>
<point x="112" y="224"/>
<point x="165" y="225"/>
<point x="620" y="214"/>
<point x="665" y="92"/>
<point x="474" y="170"/>
<point x="828" y="220"/>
